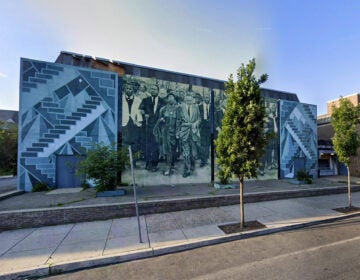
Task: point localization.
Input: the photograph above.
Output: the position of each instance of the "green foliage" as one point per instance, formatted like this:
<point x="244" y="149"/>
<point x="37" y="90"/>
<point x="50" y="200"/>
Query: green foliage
<point x="241" y="141"/>
<point x="224" y="178"/>
<point x="102" y="164"/>
<point x="344" y="120"/>
<point x="8" y="148"/>
<point x="85" y="186"/>
<point x="302" y="175"/>
<point x="40" y="187"/>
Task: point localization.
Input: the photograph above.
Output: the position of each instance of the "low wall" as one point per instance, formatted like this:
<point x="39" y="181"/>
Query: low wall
<point x="64" y="215"/>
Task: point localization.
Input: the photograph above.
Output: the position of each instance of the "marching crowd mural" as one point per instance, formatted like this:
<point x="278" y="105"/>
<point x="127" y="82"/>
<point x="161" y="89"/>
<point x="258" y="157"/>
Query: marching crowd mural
<point x="169" y="119"/>
<point x="168" y="126"/>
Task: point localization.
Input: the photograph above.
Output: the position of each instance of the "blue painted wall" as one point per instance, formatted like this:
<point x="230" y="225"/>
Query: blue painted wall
<point x="298" y="138"/>
<point x="63" y="109"/>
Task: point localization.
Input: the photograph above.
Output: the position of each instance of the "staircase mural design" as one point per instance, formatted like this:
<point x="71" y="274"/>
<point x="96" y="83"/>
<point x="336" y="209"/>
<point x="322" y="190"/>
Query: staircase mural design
<point x="298" y="138"/>
<point x="63" y="110"/>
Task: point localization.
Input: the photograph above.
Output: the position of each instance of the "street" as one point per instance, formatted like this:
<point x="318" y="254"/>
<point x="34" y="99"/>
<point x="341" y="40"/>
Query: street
<point x="8" y="184"/>
<point x="328" y="251"/>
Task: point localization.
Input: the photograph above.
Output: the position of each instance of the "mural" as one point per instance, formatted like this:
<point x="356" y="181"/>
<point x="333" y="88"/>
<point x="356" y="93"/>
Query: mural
<point x="298" y="139"/>
<point x="63" y="109"/>
<point x="168" y="126"/>
<point x="269" y="162"/>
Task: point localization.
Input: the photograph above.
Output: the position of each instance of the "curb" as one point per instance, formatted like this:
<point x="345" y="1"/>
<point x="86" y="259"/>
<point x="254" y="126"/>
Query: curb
<point x="6" y="177"/>
<point x="149" y="253"/>
<point x="10" y="194"/>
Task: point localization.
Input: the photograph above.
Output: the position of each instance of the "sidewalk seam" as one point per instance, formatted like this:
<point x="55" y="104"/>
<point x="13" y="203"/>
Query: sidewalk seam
<point x="18" y="242"/>
<point x="147" y="231"/>
<point x="66" y="235"/>
<point x="107" y="237"/>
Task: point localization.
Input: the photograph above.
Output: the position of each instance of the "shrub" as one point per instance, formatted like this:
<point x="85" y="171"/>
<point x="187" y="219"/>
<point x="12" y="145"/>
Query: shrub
<point x="102" y="164"/>
<point x="302" y="175"/>
<point x="224" y="178"/>
<point x="40" y="187"/>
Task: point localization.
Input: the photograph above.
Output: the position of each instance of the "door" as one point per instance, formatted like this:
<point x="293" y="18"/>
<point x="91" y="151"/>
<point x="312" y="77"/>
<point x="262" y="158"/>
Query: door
<point x="66" y="166"/>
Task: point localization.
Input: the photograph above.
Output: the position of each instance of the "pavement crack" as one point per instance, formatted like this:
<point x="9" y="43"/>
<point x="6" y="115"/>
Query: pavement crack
<point x="26" y="236"/>
<point x="147" y="232"/>
<point x="66" y="235"/>
<point x="107" y="237"/>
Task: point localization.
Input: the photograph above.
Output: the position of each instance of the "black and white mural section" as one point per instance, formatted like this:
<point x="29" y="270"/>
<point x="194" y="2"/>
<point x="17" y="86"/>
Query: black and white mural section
<point x="168" y="126"/>
<point x="270" y="160"/>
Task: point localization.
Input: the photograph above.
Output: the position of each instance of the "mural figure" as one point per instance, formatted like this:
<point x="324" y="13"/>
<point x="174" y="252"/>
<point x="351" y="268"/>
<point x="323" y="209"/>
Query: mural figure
<point x="271" y="127"/>
<point x="187" y="131"/>
<point x="131" y="116"/>
<point x="269" y="161"/>
<point x="150" y="108"/>
<point x="220" y="105"/>
<point x="165" y="132"/>
<point x="205" y="127"/>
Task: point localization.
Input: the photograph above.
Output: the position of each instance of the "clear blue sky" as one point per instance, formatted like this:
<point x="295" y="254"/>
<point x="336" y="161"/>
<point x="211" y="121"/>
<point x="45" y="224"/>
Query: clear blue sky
<point x="309" y="47"/>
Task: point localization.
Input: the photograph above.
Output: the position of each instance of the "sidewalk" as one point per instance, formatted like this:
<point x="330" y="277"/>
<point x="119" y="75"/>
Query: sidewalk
<point x="63" y="197"/>
<point x="53" y="249"/>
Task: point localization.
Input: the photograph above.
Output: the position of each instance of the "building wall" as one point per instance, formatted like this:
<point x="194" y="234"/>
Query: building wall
<point x="354" y="99"/>
<point x="298" y="139"/>
<point x="63" y="110"/>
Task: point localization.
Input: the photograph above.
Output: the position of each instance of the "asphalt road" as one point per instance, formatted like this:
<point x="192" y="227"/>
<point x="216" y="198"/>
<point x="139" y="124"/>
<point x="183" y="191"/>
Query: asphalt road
<point x="329" y="251"/>
<point x="8" y="184"/>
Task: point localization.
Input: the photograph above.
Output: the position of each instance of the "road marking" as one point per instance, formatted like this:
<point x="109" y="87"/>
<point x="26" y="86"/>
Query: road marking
<point x="228" y="273"/>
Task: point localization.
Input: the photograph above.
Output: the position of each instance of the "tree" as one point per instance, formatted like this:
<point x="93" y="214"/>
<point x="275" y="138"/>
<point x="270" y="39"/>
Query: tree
<point x="8" y="148"/>
<point x="102" y="164"/>
<point x="242" y="141"/>
<point x="346" y="140"/>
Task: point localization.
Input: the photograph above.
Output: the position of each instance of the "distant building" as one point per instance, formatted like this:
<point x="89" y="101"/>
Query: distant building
<point x="170" y="120"/>
<point x="328" y="161"/>
<point x="9" y="116"/>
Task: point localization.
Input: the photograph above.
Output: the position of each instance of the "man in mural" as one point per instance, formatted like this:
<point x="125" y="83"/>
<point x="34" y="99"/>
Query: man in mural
<point x="187" y="131"/>
<point x="269" y="159"/>
<point x="271" y="153"/>
<point x="150" y="108"/>
<point x="165" y="132"/>
<point x="131" y="116"/>
<point x="220" y="105"/>
<point x="205" y="128"/>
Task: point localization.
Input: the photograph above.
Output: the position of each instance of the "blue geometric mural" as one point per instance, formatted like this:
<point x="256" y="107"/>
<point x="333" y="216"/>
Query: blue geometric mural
<point x="298" y="139"/>
<point x="63" y="109"/>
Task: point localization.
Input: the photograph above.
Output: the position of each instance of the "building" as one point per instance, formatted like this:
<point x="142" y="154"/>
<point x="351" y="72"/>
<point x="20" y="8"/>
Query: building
<point x="328" y="161"/>
<point x="170" y="120"/>
<point x="9" y="116"/>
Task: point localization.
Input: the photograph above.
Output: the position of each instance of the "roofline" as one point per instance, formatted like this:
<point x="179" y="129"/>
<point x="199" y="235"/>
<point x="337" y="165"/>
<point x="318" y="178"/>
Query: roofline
<point x="118" y="62"/>
<point x="353" y="94"/>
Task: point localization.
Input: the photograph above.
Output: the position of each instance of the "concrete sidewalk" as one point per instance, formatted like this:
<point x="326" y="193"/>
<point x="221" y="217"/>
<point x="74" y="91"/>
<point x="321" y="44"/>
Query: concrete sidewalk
<point x="54" y="249"/>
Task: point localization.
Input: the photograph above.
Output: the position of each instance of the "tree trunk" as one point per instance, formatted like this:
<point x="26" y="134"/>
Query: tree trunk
<point x="349" y="187"/>
<point x="241" y="203"/>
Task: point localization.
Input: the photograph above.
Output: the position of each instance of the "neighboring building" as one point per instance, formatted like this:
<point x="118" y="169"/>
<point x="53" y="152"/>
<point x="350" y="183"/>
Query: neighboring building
<point x="9" y="116"/>
<point x="328" y="161"/>
<point x="170" y="119"/>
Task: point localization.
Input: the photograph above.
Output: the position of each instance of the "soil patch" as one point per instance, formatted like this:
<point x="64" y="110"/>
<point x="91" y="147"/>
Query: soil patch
<point x="347" y="210"/>
<point x="235" y="228"/>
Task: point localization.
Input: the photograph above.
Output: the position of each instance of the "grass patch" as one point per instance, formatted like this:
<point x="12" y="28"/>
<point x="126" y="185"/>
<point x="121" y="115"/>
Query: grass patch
<point x="64" y="203"/>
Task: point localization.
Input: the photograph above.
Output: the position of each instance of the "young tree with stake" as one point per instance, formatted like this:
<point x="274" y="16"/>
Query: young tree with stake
<point x="346" y="139"/>
<point x="241" y="141"/>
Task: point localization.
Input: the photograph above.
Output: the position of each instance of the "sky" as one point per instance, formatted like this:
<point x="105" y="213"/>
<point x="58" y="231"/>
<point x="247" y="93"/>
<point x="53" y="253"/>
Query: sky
<point x="307" y="47"/>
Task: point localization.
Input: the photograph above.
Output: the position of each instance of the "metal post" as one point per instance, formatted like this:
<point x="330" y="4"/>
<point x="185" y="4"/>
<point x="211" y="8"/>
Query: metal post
<point x="134" y="187"/>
